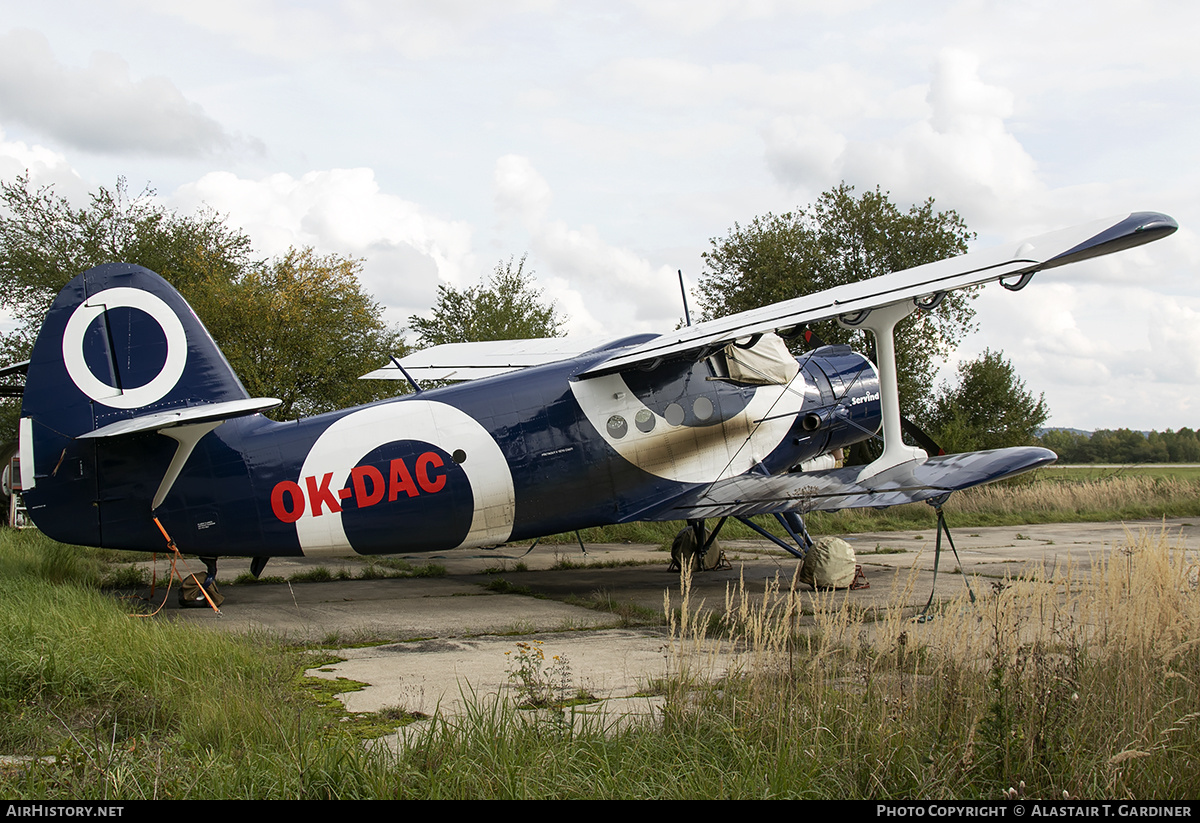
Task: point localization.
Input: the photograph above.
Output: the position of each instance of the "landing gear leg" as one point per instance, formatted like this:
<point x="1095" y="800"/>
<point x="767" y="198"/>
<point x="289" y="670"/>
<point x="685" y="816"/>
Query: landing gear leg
<point x="700" y="543"/>
<point x="794" y="524"/>
<point x="796" y="551"/>
<point x="210" y="563"/>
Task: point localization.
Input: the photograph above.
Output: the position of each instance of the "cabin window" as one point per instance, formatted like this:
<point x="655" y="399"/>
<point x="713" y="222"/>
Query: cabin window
<point x="617" y="427"/>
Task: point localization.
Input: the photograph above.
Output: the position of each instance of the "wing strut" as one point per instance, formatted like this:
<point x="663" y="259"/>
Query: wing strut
<point x="881" y="322"/>
<point x="187" y="437"/>
<point x="937" y="555"/>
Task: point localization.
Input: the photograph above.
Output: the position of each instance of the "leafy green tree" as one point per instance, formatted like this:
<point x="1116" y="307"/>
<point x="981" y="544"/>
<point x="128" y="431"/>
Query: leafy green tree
<point x="1070" y="446"/>
<point x="299" y="328"/>
<point x="506" y="306"/>
<point x="844" y="238"/>
<point x="1183" y="446"/>
<point x="990" y="408"/>
<point x="45" y="242"/>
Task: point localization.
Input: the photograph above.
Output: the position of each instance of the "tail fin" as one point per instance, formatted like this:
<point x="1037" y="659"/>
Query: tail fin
<point x="120" y="354"/>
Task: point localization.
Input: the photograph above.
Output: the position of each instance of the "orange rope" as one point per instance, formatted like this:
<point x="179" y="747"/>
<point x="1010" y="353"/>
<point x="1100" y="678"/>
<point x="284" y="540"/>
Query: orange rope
<point x="176" y="557"/>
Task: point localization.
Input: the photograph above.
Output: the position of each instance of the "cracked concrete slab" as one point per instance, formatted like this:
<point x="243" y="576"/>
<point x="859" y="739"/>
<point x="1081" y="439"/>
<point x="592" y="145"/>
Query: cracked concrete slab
<point x="437" y="639"/>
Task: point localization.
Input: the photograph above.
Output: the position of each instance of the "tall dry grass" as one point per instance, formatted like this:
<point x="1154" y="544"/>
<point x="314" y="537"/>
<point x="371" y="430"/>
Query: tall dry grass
<point x="1045" y="500"/>
<point x="1068" y="681"/>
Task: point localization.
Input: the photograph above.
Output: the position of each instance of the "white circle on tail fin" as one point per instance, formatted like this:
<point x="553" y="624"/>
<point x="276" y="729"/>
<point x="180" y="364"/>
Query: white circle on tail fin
<point x="98" y="390"/>
<point x="352" y="437"/>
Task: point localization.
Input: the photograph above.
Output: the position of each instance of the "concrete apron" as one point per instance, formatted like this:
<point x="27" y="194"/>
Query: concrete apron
<point x="438" y="642"/>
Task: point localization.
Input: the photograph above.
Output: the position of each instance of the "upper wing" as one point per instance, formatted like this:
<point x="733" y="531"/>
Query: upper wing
<point x="470" y="361"/>
<point x="910" y="482"/>
<point x="924" y="284"/>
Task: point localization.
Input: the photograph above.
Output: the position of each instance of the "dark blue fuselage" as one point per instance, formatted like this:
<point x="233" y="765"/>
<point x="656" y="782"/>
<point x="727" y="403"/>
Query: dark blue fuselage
<point x="515" y="456"/>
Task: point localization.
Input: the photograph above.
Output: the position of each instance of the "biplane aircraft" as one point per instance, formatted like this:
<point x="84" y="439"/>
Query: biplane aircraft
<point x="132" y="419"/>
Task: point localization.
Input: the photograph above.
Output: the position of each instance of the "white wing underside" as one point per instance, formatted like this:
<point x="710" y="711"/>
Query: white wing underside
<point x="922" y="285"/>
<point x="1013" y="264"/>
<point x="471" y="361"/>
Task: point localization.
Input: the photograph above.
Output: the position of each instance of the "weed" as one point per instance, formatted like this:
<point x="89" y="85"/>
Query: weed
<point x="429" y="570"/>
<point x="125" y="576"/>
<point x="393" y="563"/>
<point x="501" y="586"/>
<point x="504" y="567"/>
<point x="629" y="613"/>
<point x="541" y="684"/>
<point x="1062" y="682"/>
<point x="319" y="574"/>
<point x="248" y="579"/>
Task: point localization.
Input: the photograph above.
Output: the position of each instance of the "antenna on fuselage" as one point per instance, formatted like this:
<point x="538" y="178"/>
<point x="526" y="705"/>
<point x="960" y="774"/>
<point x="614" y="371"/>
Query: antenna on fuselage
<point x="687" y="318"/>
<point x="403" y="371"/>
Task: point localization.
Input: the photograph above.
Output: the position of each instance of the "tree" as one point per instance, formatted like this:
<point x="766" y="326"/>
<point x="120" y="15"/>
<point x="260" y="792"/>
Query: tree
<point x="298" y="328"/>
<point x="505" y="307"/>
<point x="990" y="408"/>
<point x="844" y="239"/>
<point x="45" y="242"/>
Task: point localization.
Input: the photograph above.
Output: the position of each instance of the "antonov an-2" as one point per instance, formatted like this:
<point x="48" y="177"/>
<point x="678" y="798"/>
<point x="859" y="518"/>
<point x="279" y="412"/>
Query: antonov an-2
<point x="131" y="415"/>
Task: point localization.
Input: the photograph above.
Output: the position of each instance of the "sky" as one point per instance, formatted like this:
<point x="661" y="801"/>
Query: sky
<point x="610" y="142"/>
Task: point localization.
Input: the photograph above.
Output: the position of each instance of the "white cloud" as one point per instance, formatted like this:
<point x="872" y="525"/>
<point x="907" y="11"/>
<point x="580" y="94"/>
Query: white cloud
<point x="837" y="90"/>
<point x="44" y="166"/>
<point x="521" y="191"/>
<point x="1106" y="355"/>
<point x="100" y="108"/>
<point x="412" y="28"/>
<point x="957" y="147"/>
<point x="603" y="289"/>
<point x="631" y="132"/>
<point x="804" y="150"/>
<point x="691" y="16"/>
<point x="408" y="251"/>
<point x="615" y="291"/>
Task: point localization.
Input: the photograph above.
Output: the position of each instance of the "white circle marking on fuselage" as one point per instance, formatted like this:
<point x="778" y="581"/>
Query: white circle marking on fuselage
<point x="352" y="437"/>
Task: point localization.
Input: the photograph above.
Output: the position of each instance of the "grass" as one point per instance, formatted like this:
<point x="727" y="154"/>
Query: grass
<point x="1062" y="682"/>
<point x="501" y="586"/>
<point x="1086" y="473"/>
<point x="1067" y="683"/>
<point x="562" y="562"/>
<point x="627" y="612"/>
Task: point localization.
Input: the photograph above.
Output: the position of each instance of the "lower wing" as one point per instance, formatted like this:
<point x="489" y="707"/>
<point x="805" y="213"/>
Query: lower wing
<point x="910" y="482"/>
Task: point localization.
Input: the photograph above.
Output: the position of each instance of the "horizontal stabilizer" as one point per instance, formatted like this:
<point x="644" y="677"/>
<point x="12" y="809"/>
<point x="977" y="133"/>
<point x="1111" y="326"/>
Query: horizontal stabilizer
<point x="207" y="413"/>
<point x="911" y="482"/>
<point x="15" y="368"/>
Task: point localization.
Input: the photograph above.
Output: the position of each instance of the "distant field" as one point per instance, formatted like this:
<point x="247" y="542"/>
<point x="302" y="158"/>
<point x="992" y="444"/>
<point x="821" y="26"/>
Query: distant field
<point x="1099" y="471"/>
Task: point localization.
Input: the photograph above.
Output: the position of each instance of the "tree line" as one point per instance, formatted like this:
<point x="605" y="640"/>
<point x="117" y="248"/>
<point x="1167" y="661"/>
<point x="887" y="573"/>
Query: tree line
<point x="1124" y="446"/>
